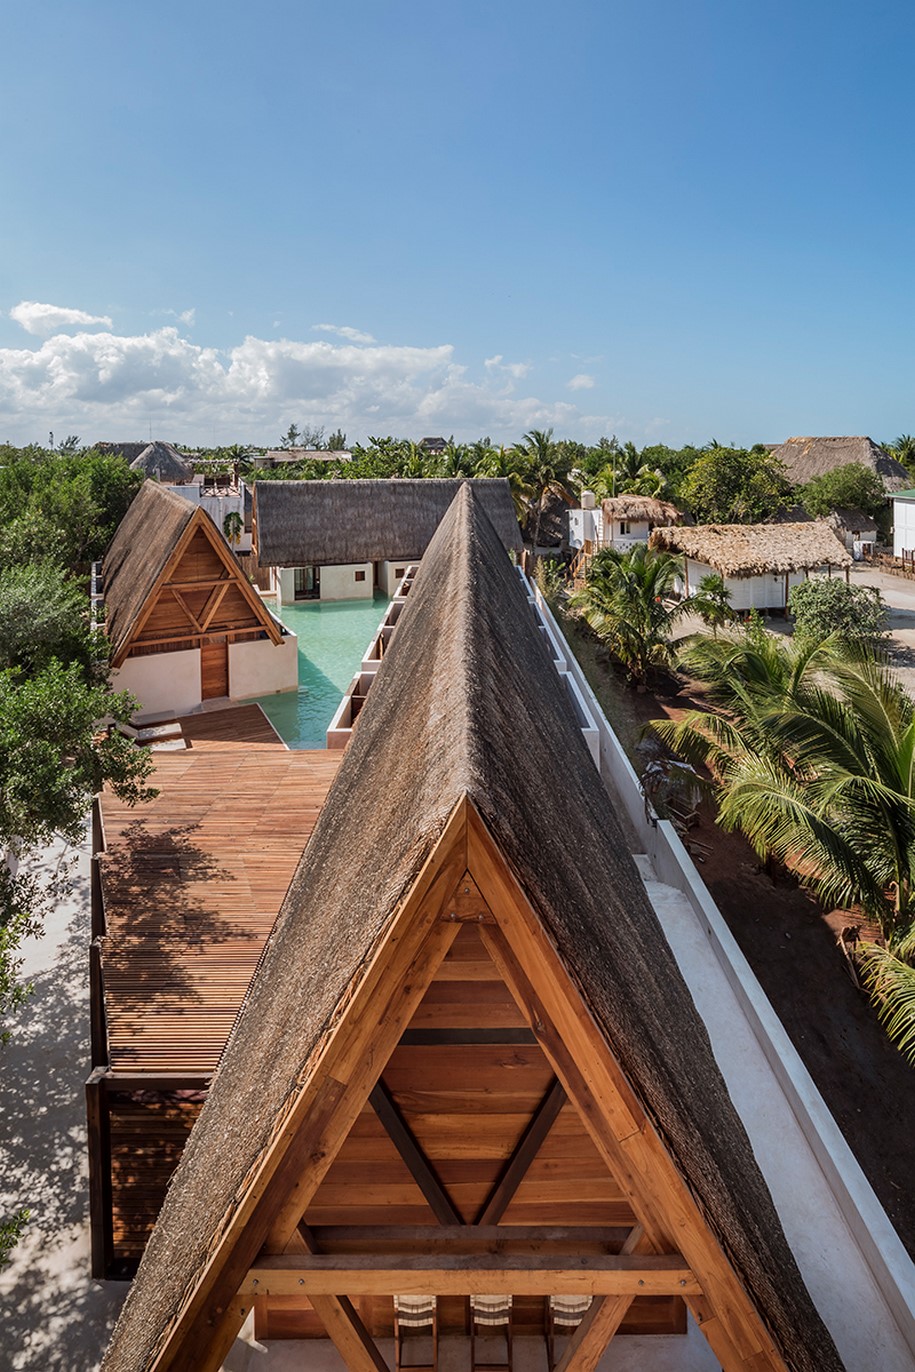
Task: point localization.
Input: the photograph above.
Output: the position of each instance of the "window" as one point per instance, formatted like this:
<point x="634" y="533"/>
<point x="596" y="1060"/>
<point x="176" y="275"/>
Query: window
<point x="360" y="576"/>
<point x="624" y="526"/>
<point x="399" y="571"/>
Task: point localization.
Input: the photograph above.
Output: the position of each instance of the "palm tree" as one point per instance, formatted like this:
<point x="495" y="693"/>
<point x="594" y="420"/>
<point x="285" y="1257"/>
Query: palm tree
<point x="712" y="602"/>
<point x="625" y="601"/>
<point x="814" y="755"/>
<point x="543" y="470"/>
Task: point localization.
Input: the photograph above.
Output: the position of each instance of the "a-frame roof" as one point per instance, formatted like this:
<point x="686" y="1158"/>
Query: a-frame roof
<point x="467" y="758"/>
<point x="150" y="538"/>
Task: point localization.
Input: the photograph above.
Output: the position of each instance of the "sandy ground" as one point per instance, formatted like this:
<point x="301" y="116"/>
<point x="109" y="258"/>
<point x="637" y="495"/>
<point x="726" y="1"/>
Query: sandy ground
<point x="56" y="1319"/>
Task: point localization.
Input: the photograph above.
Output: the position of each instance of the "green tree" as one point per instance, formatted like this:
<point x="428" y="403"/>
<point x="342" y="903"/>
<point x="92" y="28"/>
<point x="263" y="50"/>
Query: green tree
<point x="851" y="487"/>
<point x="625" y="601"/>
<point x="826" y="606"/>
<point x="734" y="486"/>
<point x="813" y="751"/>
<point x="44" y="615"/>
<point x="712" y="602"/>
<point x="337" y="442"/>
<point x="543" y="471"/>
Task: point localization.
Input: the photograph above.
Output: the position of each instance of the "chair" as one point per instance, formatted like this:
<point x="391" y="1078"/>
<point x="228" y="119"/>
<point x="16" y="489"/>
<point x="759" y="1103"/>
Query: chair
<point x="490" y="1315"/>
<point x="563" y="1316"/>
<point x="412" y="1315"/>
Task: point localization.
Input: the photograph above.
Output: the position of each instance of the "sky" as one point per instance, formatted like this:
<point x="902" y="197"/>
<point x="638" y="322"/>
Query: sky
<point x="669" y="221"/>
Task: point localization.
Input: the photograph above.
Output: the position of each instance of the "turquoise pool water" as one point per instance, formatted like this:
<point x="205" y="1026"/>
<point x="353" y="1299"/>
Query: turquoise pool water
<point x="333" y="636"/>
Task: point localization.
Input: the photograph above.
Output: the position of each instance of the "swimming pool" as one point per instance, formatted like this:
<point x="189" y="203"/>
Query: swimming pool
<point x="332" y="635"/>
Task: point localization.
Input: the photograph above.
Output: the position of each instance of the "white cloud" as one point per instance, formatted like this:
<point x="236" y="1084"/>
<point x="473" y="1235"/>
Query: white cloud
<point x="47" y="319"/>
<point x="106" y="385"/>
<point x="188" y="317"/>
<point x="344" y="331"/>
<point x="513" y="369"/>
<point x="581" y="382"/>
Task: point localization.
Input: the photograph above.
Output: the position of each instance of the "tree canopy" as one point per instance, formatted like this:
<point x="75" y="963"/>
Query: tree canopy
<point x="735" y="486"/>
<point x="852" y="487"/>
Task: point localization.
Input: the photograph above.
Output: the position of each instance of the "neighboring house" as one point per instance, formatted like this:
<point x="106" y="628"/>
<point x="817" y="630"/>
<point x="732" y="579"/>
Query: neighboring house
<point x="805" y="458"/>
<point x="904" y="524"/>
<point x="184" y="623"/>
<point x="161" y="461"/>
<point x="618" y="522"/>
<point x="284" y="457"/>
<point x="338" y="540"/>
<point x="228" y="503"/>
<point x="433" y="447"/>
<point x="759" y="562"/>
<point x="856" y="530"/>
<point x="469" y="1061"/>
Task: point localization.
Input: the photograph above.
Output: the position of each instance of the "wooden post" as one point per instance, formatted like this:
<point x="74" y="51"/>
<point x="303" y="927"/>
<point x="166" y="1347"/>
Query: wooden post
<point x="98" y="1026"/>
<point x="99" y="1131"/>
<point x="98" y="927"/>
<point x="98" y="826"/>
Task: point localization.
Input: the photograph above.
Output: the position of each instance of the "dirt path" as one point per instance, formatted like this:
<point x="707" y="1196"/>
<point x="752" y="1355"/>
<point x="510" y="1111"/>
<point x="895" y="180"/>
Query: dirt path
<point x="791" y="945"/>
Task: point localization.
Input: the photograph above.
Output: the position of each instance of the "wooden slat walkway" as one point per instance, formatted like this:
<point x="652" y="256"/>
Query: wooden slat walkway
<point x="192" y="884"/>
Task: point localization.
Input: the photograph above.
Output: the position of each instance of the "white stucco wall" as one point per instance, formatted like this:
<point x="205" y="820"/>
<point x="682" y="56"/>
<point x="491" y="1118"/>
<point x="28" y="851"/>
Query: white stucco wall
<point x="339" y="583"/>
<point x="766" y="592"/>
<point x="217" y="507"/>
<point x="903" y="526"/>
<point x="260" y="667"/>
<point x="584" y="526"/>
<point x="390" y="574"/>
<point x="162" y="681"/>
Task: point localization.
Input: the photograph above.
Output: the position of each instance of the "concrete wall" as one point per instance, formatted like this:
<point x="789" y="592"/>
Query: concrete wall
<point x="342" y="583"/>
<point x="162" y="681"/>
<point x="903" y="527"/>
<point x="261" y="667"/>
<point x="585" y="527"/>
<point x="390" y="574"/>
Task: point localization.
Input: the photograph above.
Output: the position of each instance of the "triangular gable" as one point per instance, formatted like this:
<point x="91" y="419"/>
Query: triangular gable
<point x="145" y="562"/>
<point x="468" y="759"/>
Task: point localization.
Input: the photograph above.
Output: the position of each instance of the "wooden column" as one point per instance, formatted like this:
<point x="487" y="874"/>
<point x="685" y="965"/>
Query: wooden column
<point x="101" y="1232"/>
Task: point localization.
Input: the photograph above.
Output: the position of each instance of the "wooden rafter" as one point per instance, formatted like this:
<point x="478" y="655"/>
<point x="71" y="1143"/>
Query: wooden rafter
<point x="420" y="1168"/>
<point x="588" y="1343"/>
<point x="185" y="608"/>
<point x="527" y="1148"/>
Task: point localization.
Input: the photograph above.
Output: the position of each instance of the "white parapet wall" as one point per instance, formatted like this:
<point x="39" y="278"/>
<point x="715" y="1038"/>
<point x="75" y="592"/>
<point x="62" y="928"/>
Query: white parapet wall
<point x="876" y="1246"/>
<point x="260" y="667"/>
<point x="162" y="681"/>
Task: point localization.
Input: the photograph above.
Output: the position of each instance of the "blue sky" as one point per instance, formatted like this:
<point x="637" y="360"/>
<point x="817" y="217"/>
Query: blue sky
<point x="664" y="220"/>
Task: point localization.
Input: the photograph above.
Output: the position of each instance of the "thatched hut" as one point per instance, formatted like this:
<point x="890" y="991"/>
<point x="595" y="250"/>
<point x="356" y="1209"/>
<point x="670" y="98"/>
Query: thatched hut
<point x="341" y="538"/>
<point x="184" y="623"/>
<point x="854" y="528"/>
<point x="806" y="458"/>
<point x="621" y="521"/>
<point x="759" y="562"/>
<point x="162" y="462"/>
<point x="445" y="979"/>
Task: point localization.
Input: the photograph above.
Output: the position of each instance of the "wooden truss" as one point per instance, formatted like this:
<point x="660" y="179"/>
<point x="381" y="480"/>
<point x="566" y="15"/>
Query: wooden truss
<point x="267" y="1248"/>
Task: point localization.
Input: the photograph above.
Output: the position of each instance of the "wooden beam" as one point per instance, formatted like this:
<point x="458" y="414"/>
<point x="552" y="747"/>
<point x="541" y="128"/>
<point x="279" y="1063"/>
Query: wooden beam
<point x="186" y="609"/>
<point x="466" y="1238"/>
<point x="98" y="1023"/>
<point x="99" y="1141"/>
<point x="206" y="585"/>
<point x="458" y="1038"/>
<point x="212" y="604"/>
<point x="353" y="1342"/>
<point x="614" y="1118"/>
<point x="420" y="1167"/>
<point x="528" y="1146"/>
<point x="447" y="1274"/>
<point x="590" y="1340"/>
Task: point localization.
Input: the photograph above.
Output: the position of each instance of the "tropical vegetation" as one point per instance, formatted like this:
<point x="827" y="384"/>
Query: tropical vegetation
<point x="812" y="751"/>
<point x="626" y="602"/>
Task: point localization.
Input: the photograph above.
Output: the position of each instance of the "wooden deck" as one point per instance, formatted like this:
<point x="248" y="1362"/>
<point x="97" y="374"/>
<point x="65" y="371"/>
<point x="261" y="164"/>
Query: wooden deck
<point x="192" y="883"/>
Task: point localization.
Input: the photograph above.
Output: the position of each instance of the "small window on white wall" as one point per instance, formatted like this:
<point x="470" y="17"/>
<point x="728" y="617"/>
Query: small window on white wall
<point x="360" y="576"/>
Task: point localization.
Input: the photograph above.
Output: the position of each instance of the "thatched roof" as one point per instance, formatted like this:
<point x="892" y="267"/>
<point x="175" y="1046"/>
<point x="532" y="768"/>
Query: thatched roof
<point x="300" y="523"/>
<point x="805" y="458"/>
<point x="280" y="455"/>
<point x="165" y="463"/>
<point x="754" y="549"/>
<point x="145" y="540"/>
<point x="851" y="521"/>
<point x="467" y="705"/>
<point x="660" y="513"/>
<point x="126" y="450"/>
